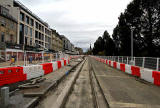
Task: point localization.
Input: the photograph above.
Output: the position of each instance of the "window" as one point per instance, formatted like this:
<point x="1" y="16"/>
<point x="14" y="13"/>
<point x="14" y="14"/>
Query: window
<point x="31" y="41"/>
<point x="11" y="38"/>
<point x="12" y="26"/>
<point x="36" y="25"/>
<point x="21" y="16"/>
<point x="49" y="40"/>
<point x="31" y="22"/>
<point x="31" y="32"/>
<point x="27" y="19"/>
<point x="46" y="38"/>
<point x="4" y="11"/>
<point x="3" y="22"/>
<point x="42" y="29"/>
<point x="36" y="42"/>
<point x="21" y="33"/>
<point x="42" y="37"/>
<point x="45" y="30"/>
<point x="36" y="34"/>
<point x="39" y="27"/>
<point x="2" y="37"/>
<point x="39" y="35"/>
<point x="26" y="30"/>
<point x="26" y="40"/>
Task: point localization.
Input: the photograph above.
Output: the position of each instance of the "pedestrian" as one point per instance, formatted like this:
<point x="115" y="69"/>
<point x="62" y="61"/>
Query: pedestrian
<point x="15" y="59"/>
<point x="12" y="60"/>
<point x="31" y="59"/>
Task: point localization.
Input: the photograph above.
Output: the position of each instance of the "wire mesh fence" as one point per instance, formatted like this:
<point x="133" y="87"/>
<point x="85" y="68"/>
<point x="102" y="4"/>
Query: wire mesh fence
<point x="145" y="62"/>
<point x="28" y="58"/>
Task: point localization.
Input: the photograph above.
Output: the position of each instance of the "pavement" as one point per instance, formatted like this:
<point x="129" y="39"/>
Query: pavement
<point x="124" y="91"/>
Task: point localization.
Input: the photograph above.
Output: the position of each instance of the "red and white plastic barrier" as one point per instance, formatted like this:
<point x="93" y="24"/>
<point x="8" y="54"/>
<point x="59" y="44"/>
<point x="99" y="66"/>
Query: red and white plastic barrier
<point x="143" y="73"/>
<point x="15" y="74"/>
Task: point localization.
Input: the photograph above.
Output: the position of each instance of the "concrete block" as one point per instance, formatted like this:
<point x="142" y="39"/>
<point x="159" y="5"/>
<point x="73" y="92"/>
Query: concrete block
<point x="4" y="96"/>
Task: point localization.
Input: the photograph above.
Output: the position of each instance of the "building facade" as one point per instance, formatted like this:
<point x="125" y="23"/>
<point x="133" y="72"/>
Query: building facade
<point x="57" y="43"/>
<point x="8" y="31"/>
<point x="8" y="26"/>
<point x="31" y="30"/>
<point x="27" y="32"/>
<point x="66" y="44"/>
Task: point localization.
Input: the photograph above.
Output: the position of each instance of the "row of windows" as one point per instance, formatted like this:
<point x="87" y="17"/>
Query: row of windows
<point x="39" y="27"/>
<point x="47" y="31"/>
<point x="39" y="42"/>
<point x="30" y="21"/>
<point x="2" y="38"/>
<point x="26" y="18"/>
<point x="39" y="35"/>
<point x="47" y="39"/>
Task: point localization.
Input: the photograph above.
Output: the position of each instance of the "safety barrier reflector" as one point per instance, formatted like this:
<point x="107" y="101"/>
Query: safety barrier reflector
<point x="136" y="71"/>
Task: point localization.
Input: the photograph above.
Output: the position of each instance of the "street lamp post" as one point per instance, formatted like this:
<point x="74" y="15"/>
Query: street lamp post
<point x="132" y="29"/>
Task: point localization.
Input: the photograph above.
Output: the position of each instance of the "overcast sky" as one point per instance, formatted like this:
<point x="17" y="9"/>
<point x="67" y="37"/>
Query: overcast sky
<point x="82" y="21"/>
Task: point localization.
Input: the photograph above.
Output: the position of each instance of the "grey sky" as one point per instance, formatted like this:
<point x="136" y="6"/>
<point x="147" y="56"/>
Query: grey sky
<point x="82" y="21"/>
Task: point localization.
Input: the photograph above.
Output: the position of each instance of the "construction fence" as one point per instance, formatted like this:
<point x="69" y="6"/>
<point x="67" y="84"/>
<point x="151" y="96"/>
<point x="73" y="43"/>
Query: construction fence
<point x="145" y="62"/>
<point x="8" y="59"/>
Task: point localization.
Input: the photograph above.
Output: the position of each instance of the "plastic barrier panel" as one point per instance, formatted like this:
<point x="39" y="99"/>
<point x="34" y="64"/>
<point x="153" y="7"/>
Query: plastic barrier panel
<point x="156" y="76"/>
<point x="122" y="67"/>
<point x="109" y="63"/>
<point x="146" y="74"/>
<point x="128" y="69"/>
<point x="118" y="65"/>
<point x="65" y="62"/>
<point x="11" y="75"/>
<point x="115" y="65"/>
<point x="59" y="64"/>
<point x="54" y="65"/>
<point x="62" y="63"/>
<point x="33" y="71"/>
<point x="135" y="71"/>
<point x="47" y="67"/>
<point x="106" y="61"/>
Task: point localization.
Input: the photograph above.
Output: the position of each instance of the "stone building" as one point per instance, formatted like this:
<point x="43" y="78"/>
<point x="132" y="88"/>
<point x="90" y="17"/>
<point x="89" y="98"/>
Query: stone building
<point x="8" y="31"/>
<point x="8" y="26"/>
<point x="57" y="43"/>
<point x="31" y="30"/>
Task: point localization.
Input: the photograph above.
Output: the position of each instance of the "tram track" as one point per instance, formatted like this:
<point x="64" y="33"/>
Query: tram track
<point x="86" y="91"/>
